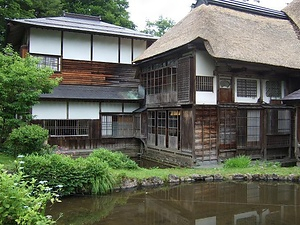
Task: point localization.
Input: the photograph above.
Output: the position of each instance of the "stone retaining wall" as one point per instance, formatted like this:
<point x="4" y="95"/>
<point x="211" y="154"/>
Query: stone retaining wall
<point x="128" y="183"/>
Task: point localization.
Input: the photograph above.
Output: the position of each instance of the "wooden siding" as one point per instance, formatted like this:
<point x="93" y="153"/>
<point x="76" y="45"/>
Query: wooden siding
<point x="76" y="72"/>
<point x="206" y="134"/>
<point x="93" y="140"/>
<point x="187" y="130"/>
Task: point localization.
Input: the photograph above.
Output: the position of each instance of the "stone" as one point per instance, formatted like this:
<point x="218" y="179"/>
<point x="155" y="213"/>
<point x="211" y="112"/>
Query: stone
<point x="173" y="179"/>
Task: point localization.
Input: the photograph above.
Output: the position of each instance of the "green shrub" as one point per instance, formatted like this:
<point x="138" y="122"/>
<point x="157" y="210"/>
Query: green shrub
<point x="241" y="161"/>
<point x="116" y="160"/>
<point x="82" y="175"/>
<point x="23" y="202"/>
<point x="27" y="139"/>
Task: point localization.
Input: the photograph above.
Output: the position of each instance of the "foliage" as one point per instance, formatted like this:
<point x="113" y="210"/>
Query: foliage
<point x="27" y="139"/>
<point x="82" y="175"/>
<point x="21" y="83"/>
<point x="159" y="27"/>
<point x="241" y="161"/>
<point x="115" y="160"/>
<point x="23" y="202"/>
<point x="111" y="11"/>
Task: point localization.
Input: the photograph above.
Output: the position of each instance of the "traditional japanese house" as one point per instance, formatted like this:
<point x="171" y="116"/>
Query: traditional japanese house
<point x="214" y="84"/>
<point x="94" y="104"/>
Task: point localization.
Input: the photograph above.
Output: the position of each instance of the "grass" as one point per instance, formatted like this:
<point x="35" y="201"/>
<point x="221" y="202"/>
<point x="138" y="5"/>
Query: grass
<point x="142" y="173"/>
<point x="7" y="161"/>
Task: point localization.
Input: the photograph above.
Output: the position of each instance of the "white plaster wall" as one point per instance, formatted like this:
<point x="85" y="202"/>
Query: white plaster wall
<point x="205" y="66"/>
<point x="125" y="51"/>
<point x="139" y="46"/>
<point x="105" y="49"/>
<point x="77" y="46"/>
<point x="111" y="107"/>
<point x="130" y="107"/>
<point x="44" y="41"/>
<point x="244" y="99"/>
<point x="83" y="110"/>
<point x="50" y="110"/>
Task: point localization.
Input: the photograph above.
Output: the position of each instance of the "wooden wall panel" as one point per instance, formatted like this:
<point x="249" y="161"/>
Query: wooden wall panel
<point x="206" y="134"/>
<point x="76" y="72"/>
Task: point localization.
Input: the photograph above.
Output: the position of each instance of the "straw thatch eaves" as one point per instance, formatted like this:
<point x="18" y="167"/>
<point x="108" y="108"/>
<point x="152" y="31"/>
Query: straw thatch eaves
<point x="234" y="35"/>
<point x="293" y="11"/>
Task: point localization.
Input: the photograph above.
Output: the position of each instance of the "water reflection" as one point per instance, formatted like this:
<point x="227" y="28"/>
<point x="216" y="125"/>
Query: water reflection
<point x="194" y="204"/>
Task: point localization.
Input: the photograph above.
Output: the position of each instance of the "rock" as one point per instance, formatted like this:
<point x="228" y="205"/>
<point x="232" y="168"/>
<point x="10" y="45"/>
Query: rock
<point x="238" y="177"/>
<point x="196" y="177"/>
<point x="129" y="183"/>
<point x="152" y="181"/>
<point x="209" y="178"/>
<point x="173" y="179"/>
<point x="218" y="177"/>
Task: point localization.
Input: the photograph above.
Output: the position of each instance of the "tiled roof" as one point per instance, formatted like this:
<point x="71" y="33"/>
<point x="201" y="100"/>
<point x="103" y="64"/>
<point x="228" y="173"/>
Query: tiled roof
<point x="93" y="93"/>
<point x="75" y="22"/>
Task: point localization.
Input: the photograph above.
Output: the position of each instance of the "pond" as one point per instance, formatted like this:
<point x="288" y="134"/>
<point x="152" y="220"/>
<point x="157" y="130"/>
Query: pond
<point x="205" y="203"/>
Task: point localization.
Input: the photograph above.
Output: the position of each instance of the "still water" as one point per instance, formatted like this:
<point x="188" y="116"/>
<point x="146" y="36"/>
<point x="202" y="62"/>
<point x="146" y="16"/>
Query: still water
<point x="210" y="203"/>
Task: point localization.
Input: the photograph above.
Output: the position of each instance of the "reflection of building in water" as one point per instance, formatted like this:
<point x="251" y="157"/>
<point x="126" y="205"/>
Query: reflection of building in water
<point x="224" y="203"/>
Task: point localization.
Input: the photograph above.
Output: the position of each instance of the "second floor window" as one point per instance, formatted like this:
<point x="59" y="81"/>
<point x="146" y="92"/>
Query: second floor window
<point x="204" y="83"/>
<point x="247" y="88"/>
<point x="273" y="89"/>
<point x="51" y="61"/>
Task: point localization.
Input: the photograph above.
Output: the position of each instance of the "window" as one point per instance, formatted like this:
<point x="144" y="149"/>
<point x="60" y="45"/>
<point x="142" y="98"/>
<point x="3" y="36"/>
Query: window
<point x="273" y="89"/>
<point x="279" y="121"/>
<point x="161" y="79"/>
<point x="51" y="61"/>
<point x="247" y="88"/>
<point x="161" y="122"/>
<point x="248" y="128"/>
<point x="117" y="125"/>
<point x="204" y="83"/>
<point x="67" y="127"/>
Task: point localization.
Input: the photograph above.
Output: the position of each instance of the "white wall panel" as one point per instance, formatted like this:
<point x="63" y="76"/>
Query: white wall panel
<point x="83" y="110"/>
<point x="130" y="107"/>
<point x="44" y="41"/>
<point x="139" y="46"/>
<point x="111" y="107"/>
<point x="50" y="110"/>
<point x="125" y="51"/>
<point x="205" y="66"/>
<point x="105" y="49"/>
<point x="77" y="46"/>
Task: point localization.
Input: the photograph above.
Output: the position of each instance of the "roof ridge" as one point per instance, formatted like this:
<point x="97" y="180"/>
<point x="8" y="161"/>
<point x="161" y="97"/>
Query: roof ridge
<point x="244" y="7"/>
<point x="81" y="16"/>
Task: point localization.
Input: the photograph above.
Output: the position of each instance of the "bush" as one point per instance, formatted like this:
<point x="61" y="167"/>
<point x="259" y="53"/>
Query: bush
<point x="23" y="202"/>
<point x="82" y="175"/>
<point x="116" y="160"/>
<point x="238" y="162"/>
<point x="27" y="139"/>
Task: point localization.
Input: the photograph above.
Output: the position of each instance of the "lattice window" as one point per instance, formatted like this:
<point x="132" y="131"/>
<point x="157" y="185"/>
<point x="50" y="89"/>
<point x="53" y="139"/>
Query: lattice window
<point x="161" y="122"/>
<point x="183" y="79"/>
<point x="117" y="125"/>
<point x="67" y="127"/>
<point x="273" y="89"/>
<point x="204" y="83"/>
<point x="248" y="128"/>
<point x="279" y="121"/>
<point x="246" y="88"/>
<point x="151" y="122"/>
<point x="50" y="61"/>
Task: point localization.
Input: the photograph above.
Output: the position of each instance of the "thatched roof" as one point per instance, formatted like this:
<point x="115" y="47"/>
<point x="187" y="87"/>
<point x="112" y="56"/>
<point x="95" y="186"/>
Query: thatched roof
<point x="232" y="34"/>
<point x="293" y="11"/>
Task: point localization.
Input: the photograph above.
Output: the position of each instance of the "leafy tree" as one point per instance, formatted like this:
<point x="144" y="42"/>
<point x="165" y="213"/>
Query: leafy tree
<point x="21" y="83"/>
<point x="158" y="27"/>
<point x="111" y="11"/>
